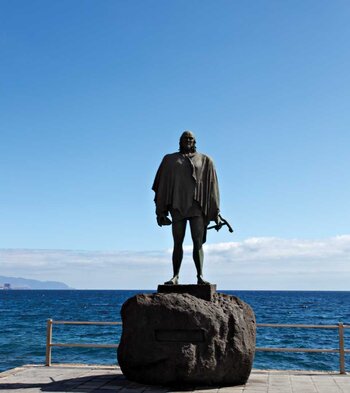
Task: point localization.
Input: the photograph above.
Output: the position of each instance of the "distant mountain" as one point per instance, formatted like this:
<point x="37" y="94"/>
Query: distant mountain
<point x="24" y="283"/>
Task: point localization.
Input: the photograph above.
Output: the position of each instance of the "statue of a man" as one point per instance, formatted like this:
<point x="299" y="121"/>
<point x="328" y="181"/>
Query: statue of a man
<point x="186" y="186"/>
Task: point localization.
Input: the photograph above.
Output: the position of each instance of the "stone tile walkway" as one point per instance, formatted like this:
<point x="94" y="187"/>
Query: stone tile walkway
<point x="97" y="379"/>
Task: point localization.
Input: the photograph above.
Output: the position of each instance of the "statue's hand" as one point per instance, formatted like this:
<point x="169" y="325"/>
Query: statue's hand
<point x="163" y="220"/>
<point x="218" y="220"/>
<point x="219" y="223"/>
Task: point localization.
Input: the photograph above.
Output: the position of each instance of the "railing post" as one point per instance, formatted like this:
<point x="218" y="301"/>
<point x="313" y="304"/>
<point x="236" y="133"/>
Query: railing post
<point x="48" y="342"/>
<point x="341" y="348"/>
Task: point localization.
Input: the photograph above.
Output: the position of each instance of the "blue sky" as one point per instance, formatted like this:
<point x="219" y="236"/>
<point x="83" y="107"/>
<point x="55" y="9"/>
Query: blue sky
<point x="93" y="94"/>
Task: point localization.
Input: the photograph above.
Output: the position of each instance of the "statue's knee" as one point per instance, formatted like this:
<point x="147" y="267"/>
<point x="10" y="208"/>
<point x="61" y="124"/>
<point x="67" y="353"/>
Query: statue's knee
<point x="178" y="245"/>
<point x="197" y="244"/>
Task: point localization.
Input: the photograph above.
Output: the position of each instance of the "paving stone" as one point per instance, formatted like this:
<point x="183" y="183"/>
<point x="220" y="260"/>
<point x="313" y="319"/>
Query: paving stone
<point x="156" y="389"/>
<point x="231" y="389"/>
<point x="106" y="380"/>
<point x="206" y="389"/>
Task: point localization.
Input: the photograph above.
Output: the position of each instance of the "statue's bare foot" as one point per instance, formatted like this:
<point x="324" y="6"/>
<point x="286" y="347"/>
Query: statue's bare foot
<point x="173" y="281"/>
<point x="200" y="281"/>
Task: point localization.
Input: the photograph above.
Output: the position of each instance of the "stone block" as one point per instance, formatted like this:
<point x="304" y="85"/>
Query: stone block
<point x="178" y="339"/>
<point x="205" y="292"/>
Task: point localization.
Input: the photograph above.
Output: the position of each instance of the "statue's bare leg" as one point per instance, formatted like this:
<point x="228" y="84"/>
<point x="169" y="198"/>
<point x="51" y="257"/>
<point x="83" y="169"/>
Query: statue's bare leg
<point x="179" y="230"/>
<point x="197" y="225"/>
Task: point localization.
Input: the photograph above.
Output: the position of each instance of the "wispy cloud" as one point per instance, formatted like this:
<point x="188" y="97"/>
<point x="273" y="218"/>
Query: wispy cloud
<point x="255" y="263"/>
<point x="261" y="248"/>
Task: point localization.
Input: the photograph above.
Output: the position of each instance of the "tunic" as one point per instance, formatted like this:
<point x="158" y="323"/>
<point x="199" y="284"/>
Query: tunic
<point x="187" y="185"/>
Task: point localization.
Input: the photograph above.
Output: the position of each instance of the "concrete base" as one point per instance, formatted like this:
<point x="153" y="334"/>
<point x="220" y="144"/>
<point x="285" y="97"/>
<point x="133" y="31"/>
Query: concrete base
<point x="205" y="292"/>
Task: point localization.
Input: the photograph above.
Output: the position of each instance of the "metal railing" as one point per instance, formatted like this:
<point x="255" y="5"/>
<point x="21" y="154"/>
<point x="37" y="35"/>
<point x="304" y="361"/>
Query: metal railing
<point x="50" y="344"/>
<point x="341" y="350"/>
<point x="340" y="327"/>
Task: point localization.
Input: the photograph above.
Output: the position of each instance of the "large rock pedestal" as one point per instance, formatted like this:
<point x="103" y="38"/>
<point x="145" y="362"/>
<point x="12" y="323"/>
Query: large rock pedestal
<point x="180" y="339"/>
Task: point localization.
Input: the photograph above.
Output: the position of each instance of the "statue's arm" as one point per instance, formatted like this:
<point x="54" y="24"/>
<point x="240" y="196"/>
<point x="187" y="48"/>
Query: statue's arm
<point x="160" y="188"/>
<point x="215" y="194"/>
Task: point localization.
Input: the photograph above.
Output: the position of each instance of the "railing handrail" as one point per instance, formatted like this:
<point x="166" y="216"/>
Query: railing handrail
<point x="289" y="325"/>
<point x="340" y="327"/>
<point x="50" y="344"/>
<point x="85" y="323"/>
<point x="341" y="350"/>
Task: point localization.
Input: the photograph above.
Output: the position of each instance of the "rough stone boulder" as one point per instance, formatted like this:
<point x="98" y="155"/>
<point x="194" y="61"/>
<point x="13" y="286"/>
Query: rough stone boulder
<point x="179" y="339"/>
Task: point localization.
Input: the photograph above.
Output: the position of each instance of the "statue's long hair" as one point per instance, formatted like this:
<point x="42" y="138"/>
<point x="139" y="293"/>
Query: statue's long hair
<point x="194" y="148"/>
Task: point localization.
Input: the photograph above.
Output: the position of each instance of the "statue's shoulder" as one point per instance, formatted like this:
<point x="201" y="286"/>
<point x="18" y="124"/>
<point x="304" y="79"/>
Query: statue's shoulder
<point x="170" y="157"/>
<point x="205" y="157"/>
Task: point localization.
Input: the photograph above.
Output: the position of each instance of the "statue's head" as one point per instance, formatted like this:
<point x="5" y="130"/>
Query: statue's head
<point x="187" y="142"/>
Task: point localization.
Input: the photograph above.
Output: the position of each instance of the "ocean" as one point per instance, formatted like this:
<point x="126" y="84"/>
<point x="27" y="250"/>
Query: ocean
<point x="23" y="316"/>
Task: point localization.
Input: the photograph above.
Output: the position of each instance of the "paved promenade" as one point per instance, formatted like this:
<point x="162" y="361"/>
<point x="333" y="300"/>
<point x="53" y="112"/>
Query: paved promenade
<point x="96" y="379"/>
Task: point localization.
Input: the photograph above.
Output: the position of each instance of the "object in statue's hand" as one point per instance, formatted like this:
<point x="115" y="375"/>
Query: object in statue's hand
<point x="220" y="222"/>
<point x="163" y="220"/>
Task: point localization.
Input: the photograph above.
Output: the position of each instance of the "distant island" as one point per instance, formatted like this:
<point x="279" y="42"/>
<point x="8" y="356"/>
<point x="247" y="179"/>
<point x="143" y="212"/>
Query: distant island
<point x="8" y="283"/>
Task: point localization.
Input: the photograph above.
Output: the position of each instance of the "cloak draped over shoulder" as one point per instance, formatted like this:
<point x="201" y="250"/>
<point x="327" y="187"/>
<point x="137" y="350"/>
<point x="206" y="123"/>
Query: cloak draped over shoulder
<point x="181" y="180"/>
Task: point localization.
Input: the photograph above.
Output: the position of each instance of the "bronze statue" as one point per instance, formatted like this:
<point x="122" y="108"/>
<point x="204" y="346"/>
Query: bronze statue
<point x="186" y="186"/>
